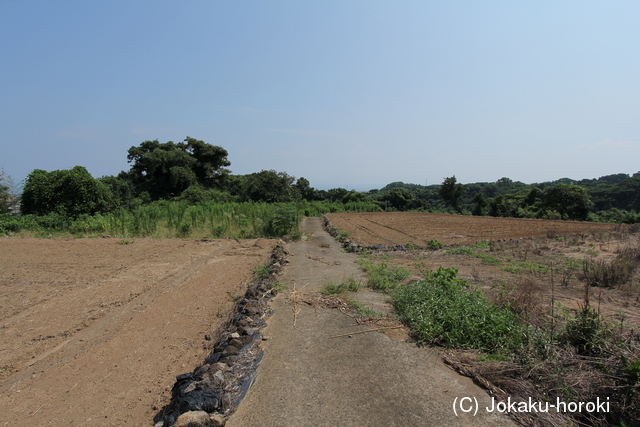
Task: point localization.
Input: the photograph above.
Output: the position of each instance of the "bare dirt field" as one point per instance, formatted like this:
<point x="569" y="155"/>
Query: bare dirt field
<point x="94" y="331"/>
<point x="399" y="228"/>
<point x="541" y="268"/>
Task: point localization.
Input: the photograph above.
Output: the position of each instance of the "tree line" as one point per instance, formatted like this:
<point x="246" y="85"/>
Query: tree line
<point x="196" y="172"/>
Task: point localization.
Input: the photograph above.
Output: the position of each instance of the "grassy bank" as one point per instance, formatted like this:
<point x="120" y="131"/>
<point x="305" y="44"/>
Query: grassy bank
<point x="180" y="219"/>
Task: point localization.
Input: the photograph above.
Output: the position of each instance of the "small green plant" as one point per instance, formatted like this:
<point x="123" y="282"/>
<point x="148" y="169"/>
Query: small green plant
<point x="488" y="259"/>
<point x="587" y="332"/>
<point x="184" y="230"/>
<point x="482" y="244"/>
<point x="434" y="245"/>
<point x="277" y="286"/>
<point x="463" y="250"/>
<point x="350" y="285"/>
<point x="125" y="242"/>
<point x="341" y="236"/>
<point x="361" y="310"/>
<point x="261" y="271"/>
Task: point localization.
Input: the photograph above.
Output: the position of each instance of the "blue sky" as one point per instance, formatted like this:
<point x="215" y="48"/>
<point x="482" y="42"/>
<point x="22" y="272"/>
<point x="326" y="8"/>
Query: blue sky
<point x="353" y="94"/>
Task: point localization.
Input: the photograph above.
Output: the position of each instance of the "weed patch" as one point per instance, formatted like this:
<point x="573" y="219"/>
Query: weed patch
<point x="611" y="273"/>
<point x="334" y="289"/>
<point x="441" y="309"/>
<point x="383" y="277"/>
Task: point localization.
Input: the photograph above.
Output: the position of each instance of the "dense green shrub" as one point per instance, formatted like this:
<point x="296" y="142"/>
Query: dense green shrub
<point x="441" y="309"/>
<point x="69" y="193"/>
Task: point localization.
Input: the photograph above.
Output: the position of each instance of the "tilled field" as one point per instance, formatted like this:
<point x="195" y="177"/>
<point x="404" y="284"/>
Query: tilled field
<point x="399" y="228"/>
<point x="94" y="331"/>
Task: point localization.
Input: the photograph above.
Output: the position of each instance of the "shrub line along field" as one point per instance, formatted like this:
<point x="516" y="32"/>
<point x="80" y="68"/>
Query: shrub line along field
<point x="399" y="228"/>
<point x="94" y="331"/>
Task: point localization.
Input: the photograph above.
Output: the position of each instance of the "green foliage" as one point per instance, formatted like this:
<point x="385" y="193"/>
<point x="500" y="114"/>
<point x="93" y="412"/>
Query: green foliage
<point x="349" y="286"/>
<point x="441" y="309"/>
<point x="451" y="192"/>
<point x="570" y="201"/>
<point x="164" y="218"/>
<point x="383" y="277"/>
<point x="463" y="250"/>
<point x="401" y="199"/>
<point x="479" y="203"/>
<point x="261" y="271"/>
<point x="166" y="170"/>
<point x="587" y="332"/>
<point x="269" y="186"/>
<point x="285" y="219"/>
<point x="488" y="259"/>
<point x="70" y="193"/>
<point x="434" y="245"/>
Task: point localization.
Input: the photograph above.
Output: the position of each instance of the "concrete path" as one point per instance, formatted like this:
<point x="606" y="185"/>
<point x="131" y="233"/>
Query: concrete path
<point x="309" y="378"/>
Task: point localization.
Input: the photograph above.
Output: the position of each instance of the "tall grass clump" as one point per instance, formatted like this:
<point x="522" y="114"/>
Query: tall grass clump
<point x="611" y="273"/>
<point x="185" y="218"/>
<point x="441" y="309"/>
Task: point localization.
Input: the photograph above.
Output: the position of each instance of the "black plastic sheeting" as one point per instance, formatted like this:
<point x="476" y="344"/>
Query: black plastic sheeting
<point x="222" y="381"/>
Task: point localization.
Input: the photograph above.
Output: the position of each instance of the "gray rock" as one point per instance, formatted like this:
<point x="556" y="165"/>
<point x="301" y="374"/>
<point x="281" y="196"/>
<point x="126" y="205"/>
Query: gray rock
<point x="230" y="351"/>
<point x="236" y="343"/>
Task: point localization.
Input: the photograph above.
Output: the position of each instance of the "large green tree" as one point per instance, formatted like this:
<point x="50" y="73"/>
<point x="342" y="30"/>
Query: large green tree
<point x="451" y="192"/>
<point x="570" y="201"/>
<point x="167" y="169"/>
<point x="401" y="199"/>
<point x="71" y="193"/>
<point x="269" y="186"/>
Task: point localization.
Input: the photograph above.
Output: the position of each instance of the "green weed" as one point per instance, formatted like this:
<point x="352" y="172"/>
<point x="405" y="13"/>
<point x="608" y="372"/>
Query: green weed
<point x="434" y="245"/>
<point x="261" y="271"/>
<point x="441" y="309"/>
<point x="382" y="277"/>
<point x="334" y="289"/>
<point x="463" y="250"/>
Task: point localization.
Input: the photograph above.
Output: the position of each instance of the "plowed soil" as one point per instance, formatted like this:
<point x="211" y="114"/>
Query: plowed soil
<point x="93" y="331"/>
<point x="399" y="228"/>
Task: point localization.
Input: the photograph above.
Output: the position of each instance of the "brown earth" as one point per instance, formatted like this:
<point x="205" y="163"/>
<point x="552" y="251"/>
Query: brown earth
<point x="94" y="331"/>
<point x="598" y="242"/>
<point x="399" y="228"/>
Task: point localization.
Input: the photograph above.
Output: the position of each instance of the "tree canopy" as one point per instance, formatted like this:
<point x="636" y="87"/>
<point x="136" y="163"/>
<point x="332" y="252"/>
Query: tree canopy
<point x="451" y="192"/>
<point x="70" y="193"/>
<point x="570" y="201"/>
<point x="165" y="170"/>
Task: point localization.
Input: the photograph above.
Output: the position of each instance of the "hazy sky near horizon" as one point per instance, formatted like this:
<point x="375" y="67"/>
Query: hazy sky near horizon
<point x="353" y="94"/>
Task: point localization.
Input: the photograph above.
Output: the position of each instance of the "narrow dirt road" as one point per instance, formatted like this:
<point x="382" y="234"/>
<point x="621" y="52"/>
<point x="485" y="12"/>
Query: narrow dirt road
<point x="310" y="377"/>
